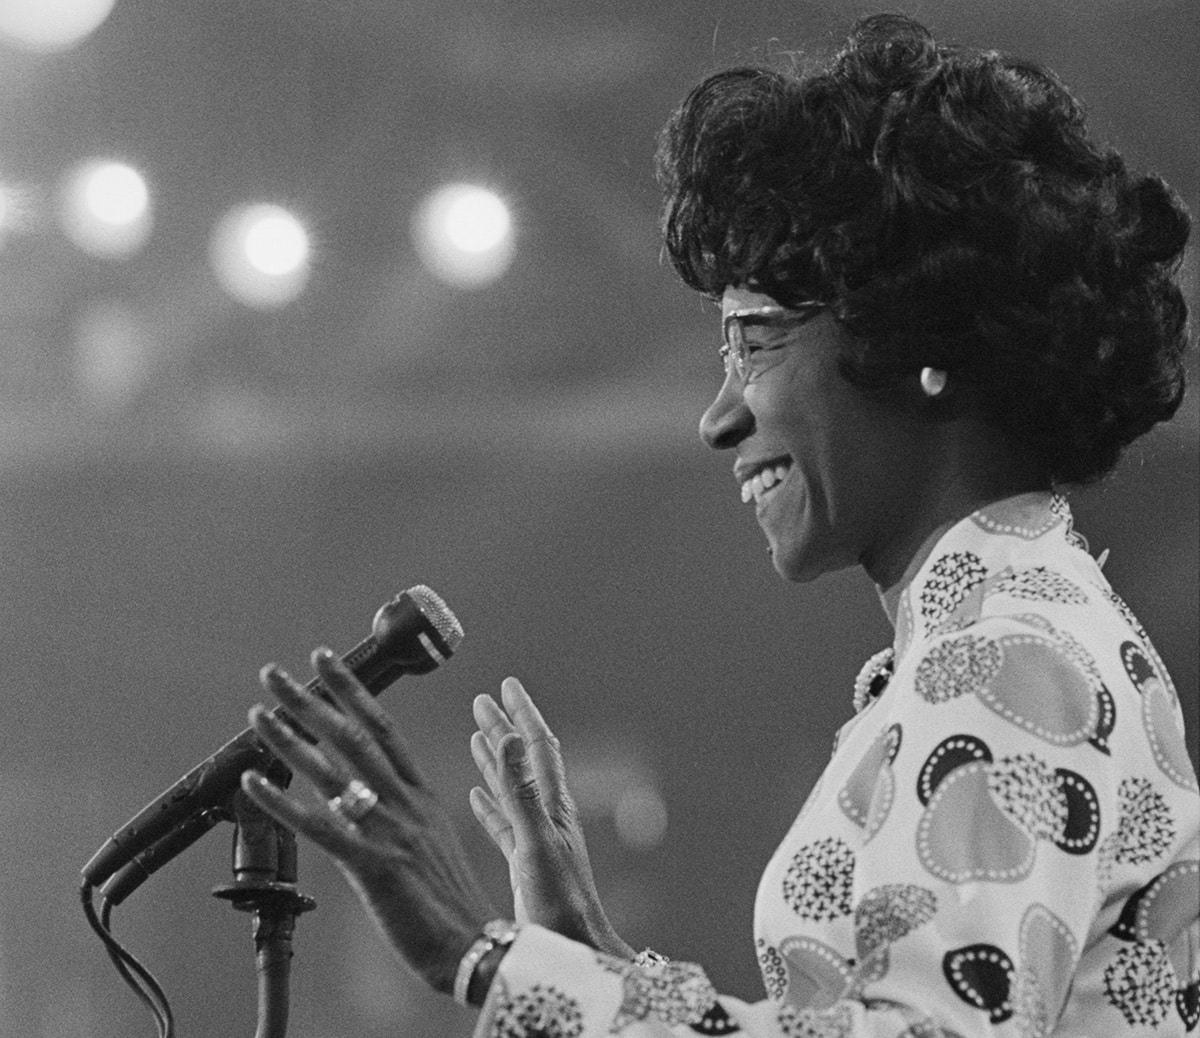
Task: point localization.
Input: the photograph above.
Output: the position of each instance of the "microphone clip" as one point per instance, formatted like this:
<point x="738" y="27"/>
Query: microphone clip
<point x="264" y="864"/>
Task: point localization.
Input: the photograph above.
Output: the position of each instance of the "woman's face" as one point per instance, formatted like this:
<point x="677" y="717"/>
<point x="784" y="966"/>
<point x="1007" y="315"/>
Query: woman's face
<point x="829" y="472"/>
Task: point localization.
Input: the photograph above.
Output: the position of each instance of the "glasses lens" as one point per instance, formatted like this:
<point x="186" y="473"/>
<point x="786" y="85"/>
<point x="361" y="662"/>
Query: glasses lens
<point x="733" y="352"/>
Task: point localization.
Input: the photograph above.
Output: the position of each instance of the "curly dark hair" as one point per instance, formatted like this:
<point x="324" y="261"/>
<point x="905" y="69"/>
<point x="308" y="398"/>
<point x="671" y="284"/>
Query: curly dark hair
<point x="949" y="206"/>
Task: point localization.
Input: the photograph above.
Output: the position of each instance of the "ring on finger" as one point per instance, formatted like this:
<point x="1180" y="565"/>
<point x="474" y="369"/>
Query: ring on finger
<point x="354" y="802"/>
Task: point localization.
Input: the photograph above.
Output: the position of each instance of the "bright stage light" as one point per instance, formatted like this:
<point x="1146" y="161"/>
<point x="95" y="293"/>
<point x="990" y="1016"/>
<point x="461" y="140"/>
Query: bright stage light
<point x="260" y="255"/>
<point x="116" y="194"/>
<point x="276" y="244"/>
<point x="463" y="235"/>
<point x="106" y="209"/>
<point x="51" y="25"/>
<point x="476" y="221"/>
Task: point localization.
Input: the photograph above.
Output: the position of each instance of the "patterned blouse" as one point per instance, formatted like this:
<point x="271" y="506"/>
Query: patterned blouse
<point x="1005" y="842"/>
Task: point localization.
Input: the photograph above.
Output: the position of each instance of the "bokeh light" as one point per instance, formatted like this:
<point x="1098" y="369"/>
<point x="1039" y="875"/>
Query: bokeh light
<point x="106" y="209"/>
<point x="463" y="235"/>
<point x="276" y="244"/>
<point x="8" y="210"/>
<point x="117" y="194"/>
<point x="21" y="208"/>
<point x="113" y="355"/>
<point x="640" y="817"/>
<point x="51" y="25"/>
<point x="261" y="255"/>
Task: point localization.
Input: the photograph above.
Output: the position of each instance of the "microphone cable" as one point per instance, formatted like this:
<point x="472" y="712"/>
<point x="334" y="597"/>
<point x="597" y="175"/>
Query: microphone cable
<point x="140" y="980"/>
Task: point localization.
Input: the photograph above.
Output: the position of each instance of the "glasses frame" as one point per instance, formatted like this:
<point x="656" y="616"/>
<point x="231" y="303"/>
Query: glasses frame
<point x="734" y="351"/>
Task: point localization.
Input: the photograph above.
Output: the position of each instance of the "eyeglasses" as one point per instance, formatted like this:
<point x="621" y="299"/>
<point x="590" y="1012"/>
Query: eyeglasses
<point x="741" y="343"/>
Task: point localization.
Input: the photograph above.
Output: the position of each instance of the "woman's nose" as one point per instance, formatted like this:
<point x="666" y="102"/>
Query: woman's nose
<point x="728" y="420"/>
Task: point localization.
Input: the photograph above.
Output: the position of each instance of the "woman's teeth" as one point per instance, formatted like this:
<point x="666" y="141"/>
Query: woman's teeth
<point x="757" y="485"/>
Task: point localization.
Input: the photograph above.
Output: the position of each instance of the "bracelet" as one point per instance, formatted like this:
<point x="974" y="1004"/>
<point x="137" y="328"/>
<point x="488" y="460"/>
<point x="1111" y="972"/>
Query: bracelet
<point x="499" y="933"/>
<point x="647" y="958"/>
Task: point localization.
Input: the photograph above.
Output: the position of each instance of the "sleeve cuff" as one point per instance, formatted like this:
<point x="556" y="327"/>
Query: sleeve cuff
<point x="549" y="983"/>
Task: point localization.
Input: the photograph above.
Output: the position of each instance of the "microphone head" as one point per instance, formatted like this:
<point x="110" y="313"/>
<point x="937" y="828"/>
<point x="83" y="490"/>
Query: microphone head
<point x="435" y="610"/>
<point x="411" y="634"/>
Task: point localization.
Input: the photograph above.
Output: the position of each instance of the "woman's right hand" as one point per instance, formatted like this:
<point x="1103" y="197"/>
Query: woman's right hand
<point x="529" y="813"/>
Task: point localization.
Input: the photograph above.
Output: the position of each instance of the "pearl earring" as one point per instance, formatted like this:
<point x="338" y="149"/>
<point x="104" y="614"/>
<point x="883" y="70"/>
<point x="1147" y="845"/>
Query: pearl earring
<point x="933" y="381"/>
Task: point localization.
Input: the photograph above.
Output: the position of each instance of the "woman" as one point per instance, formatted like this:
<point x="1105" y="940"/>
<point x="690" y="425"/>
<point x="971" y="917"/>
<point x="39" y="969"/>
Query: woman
<point x="940" y="301"/>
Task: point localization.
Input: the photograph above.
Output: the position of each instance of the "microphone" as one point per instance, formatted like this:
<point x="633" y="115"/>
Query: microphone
<point x="411" y="634"/>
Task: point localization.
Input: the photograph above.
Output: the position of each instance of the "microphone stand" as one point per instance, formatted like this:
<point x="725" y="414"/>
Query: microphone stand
<point x="264" y="882"/>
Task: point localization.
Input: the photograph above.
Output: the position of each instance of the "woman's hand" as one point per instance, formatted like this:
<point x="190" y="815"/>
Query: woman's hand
<point x="529" y="813"/>
<point x="401" y="855"/>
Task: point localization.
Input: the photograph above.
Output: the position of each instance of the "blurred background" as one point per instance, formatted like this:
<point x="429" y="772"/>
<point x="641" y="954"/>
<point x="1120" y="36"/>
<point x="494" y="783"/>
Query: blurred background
<point x="305" y="302"/>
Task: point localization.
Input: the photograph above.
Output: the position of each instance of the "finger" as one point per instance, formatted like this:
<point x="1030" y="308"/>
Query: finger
<point x="485" y="761"/>
<point x="352" y="696"/>
<point x="330" y="834"/>
<point x="309" y="711"/>
<point x="301" y="756"/>
<point x="545" y="752"/>
<point x="492" y="721"/>
<point x="520" y="799"/>
<point x="493" y="819"/>
<point x="356" y="751"/>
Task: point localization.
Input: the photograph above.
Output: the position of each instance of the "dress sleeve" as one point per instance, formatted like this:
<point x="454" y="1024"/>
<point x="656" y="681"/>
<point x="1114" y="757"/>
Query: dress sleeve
<point x="550" y="987"/>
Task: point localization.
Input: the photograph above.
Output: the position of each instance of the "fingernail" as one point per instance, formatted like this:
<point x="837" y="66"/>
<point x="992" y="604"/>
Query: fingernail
<point x="323" y="655"/>
<point x="279" y="682"/>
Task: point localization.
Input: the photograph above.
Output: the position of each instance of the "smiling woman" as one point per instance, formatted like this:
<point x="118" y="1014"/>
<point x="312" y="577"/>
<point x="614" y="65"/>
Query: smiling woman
<point x="941" y="302"/>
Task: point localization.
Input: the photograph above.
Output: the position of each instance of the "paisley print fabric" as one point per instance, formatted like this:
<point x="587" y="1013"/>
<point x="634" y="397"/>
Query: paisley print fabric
<point x="1005" y="843"/>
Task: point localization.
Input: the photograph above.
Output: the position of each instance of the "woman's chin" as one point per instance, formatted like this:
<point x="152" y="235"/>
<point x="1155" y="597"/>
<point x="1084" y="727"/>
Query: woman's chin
<point x="788" y="560"/>
<point x="799" y="561"/>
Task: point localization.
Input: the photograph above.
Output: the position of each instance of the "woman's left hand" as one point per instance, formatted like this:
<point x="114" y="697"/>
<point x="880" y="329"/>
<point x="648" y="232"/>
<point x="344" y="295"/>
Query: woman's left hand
<point x="530" y="814"/>
<point x="401" y="854"/>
